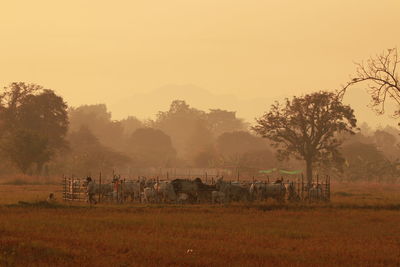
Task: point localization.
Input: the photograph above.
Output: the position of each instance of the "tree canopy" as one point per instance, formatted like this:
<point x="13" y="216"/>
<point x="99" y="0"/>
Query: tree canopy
<point x="150" y="147"/>
<point x="306" y="127"/>
<point x="24" y="147"/>
<point x="34" y="124"/>
<point x="98" y="119"/>
<point x="88" y="156"/>
<point x="366" y="162"/>
<point x="223" y="121"/>
<point x="243" y="151"/>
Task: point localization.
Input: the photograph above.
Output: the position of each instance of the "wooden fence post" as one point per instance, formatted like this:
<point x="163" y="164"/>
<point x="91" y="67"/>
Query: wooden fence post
<point x="122" y="189"/>
<point x="328" y="188"/>
<point x="73" y="191"/>
<point x="302" y="187"/>
<point x="298" y="187"/>
<point x="317" y="187"/>
<point x="100" y="189"/>
<point x="65" y="188"/>
<point x="82" y="189"/>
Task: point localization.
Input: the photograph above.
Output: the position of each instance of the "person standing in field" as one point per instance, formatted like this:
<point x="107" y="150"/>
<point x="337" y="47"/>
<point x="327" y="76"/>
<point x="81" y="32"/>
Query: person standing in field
<point x="90" y="190"/>
<point x="117" y="192"/>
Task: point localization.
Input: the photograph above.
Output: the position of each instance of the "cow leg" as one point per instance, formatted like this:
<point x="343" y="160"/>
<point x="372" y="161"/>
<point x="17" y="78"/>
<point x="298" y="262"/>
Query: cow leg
<point x="91" y="199"/>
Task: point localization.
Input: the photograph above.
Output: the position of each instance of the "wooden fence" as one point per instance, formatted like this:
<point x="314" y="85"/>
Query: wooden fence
<point x="318" y="190"/>
<point x="74" y="189"/>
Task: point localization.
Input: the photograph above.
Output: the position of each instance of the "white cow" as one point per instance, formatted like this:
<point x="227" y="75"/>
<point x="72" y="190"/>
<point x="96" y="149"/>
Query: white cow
<point x="149" y="194"/>
<point x="261" y="191"/>
<point x="93" y="189"/>
<point x="232" y="192"/>
<point x="183" y="198"/>
<point x="257" y="190"/>
<point x="165" y="191"/>
<point x="131" y="189"/>
<point x="217" y="197"/>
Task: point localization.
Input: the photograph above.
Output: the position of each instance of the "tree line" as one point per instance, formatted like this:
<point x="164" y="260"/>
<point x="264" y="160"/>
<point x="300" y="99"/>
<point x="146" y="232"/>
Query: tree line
<point x="40" y="134"/>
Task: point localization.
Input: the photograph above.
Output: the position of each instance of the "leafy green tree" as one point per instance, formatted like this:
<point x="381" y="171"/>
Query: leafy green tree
<point x="193" y="131"/>
<point x="98" y="120"/>
<point x="200" y="142"/>
<point x="306" y="127"/>
<point x="221" y="121"/>
<point x="23" y="148"/>
<point x="131" y="124"/>
<point x="46" y="114"/>
<point x="387" y="144"/>
<point x="180" y="122"/>
<point x="150" y="147"/>
<point x="243" y="151"/>
<point x="88" y="156"/>
<point x="11" y="99"/>
<point x="366" y="162"/>
<point x="239" y="142"/>
<point x="30" y="112"/>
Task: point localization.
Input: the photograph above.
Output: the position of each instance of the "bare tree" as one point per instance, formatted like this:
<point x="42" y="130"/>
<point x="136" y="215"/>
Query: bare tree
<point x="382" y="77"/>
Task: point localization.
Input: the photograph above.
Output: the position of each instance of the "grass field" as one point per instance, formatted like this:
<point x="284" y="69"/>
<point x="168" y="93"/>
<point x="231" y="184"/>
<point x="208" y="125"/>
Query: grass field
<point x="361" y="226"/>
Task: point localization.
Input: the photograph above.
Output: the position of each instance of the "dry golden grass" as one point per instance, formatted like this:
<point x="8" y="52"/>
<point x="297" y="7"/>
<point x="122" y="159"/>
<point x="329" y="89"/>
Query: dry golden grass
<point x="10" y="194"/>
<point x="360" y="227"/>
<point x="21" y="179"/>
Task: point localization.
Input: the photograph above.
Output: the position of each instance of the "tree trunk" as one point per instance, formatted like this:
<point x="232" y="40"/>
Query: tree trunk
<point x="309" y="171"/>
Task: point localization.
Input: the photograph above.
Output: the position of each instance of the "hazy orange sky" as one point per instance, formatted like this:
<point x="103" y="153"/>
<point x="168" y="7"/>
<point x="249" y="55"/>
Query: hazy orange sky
<point x="116" y="52"/>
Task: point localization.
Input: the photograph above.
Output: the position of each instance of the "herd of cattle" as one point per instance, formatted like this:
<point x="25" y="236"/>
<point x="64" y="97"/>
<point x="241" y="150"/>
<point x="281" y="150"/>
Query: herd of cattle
<point x="195" y="191"/>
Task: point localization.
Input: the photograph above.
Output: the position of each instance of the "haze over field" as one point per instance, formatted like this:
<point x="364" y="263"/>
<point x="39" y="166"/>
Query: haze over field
<point x="199" y="133"/>
<point x="137" y="56"/>
<point x="146" y="105"/>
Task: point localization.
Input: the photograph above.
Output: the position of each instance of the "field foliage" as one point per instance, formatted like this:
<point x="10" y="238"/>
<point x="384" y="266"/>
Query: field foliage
<point x="359" y="227"/>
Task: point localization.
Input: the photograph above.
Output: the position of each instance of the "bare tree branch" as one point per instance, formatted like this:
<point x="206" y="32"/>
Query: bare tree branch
<point x="380" y="74"/>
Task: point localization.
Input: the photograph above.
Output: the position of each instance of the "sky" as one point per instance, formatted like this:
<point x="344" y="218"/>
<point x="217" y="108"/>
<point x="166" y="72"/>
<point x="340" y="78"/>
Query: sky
<point x="136" y="56"/>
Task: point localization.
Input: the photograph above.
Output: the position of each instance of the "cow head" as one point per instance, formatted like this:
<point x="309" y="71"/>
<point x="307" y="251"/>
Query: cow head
<point x="87" y="181"/>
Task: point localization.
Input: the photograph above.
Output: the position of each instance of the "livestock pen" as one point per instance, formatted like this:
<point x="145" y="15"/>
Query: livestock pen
<point x="296" y="188"/>
<point x="73" y="189"/>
